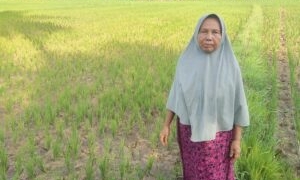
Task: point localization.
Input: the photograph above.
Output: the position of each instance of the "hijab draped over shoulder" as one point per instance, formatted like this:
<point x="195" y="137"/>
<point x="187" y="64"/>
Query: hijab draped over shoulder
<point x="207" y="92"/>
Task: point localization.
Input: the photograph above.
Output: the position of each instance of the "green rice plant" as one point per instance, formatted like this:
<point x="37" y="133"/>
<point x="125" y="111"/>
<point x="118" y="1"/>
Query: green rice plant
<point x="56" y="147"/>
<point x="177" y="170"/>
<point x="48" y="139"/>
<point x="269" y="168"/>
<point x="39" y="163"/>
<point x="18" y="166"/>
<point x="49" y="112"/>
<point x="69" y="163"/>
<point x="9" y="105"/>
<point x="107" y="145"/>
<point x="89" y="169"/>
<point x="160" y="177"/>
<point x="73" y="144"/>
<point x="124" y="166"/>
<point x="114" y="127"/>
<point x="3" y="176"/>
<point x="29" y="160"/>
<point x="64" y="100"/>
<point x="149" y="164"/>
<point x="140" y="172"/>
<point x="241" y="175"/>
<point x="91" y="139"/>
<point x="60" y="127"/>
<point x="102" y="125"/>
<point x="154" y="136"/>
<point x="122" y="147"/>
<point x="104" y="165"/>
<point x="135" y="115"/>
<point x="17" y="127"/>
<point x="35" y="162"/>
<point x="90" y="118"/>
<point x="3" y="161"/>
<point x="142" y="127"/>
<point x="128" y="126"/>
<point x="81" y="111"/>
<point x="124" y="163"/>
<point x="2" y="136"/>
<point x="29" y="167"/>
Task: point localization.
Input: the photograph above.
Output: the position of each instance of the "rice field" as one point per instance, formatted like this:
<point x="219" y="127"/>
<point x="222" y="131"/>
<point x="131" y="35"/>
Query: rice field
<point x="83" y="85"/>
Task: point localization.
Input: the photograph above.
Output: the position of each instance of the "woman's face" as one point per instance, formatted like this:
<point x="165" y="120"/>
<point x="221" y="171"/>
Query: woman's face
<point x="209" y="36"/>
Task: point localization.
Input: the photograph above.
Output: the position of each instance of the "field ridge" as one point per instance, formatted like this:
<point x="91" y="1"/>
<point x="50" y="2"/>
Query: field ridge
<point x="288" y="146"/>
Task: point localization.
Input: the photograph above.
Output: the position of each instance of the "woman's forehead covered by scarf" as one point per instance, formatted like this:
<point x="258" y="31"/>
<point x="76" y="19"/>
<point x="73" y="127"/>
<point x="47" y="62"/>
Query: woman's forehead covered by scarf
<point x="213" y="16"/>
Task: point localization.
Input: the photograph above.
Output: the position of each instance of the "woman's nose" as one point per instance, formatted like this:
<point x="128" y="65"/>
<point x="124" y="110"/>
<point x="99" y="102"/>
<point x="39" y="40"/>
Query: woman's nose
<point x="208" y="36"/>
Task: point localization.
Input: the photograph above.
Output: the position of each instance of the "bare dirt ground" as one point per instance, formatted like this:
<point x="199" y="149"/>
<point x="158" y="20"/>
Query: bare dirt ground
<point x="166" y="162"/>
<point x="288" y="146"/>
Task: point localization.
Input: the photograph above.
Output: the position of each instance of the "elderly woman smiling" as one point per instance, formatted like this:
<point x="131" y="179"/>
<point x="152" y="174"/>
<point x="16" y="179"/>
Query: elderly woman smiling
<point x="207" y="96"/>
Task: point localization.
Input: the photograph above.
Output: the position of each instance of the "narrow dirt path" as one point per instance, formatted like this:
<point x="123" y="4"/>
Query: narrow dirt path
<point x="288" y="146"/>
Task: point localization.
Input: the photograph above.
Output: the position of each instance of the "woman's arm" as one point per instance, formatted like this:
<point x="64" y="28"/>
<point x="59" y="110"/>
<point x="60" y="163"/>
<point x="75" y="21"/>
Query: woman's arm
<point x="235" y="148"/>
<point x="164" y="134"/>
<point x="237" y="133"/>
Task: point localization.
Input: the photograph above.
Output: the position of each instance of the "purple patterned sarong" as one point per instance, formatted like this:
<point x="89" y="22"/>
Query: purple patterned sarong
<point x="207" y="160"/>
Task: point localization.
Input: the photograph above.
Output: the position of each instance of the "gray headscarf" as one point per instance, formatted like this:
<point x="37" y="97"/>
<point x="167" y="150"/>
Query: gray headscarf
<point x="207" y="92"/>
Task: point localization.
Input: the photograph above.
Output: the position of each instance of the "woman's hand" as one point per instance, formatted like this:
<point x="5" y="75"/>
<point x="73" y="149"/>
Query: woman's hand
<point x="164" y="135"/>
<point x="235" y="150"/>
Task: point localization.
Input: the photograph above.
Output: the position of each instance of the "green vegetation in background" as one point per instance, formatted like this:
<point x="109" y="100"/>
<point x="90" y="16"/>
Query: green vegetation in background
<point x="78" y="79"/>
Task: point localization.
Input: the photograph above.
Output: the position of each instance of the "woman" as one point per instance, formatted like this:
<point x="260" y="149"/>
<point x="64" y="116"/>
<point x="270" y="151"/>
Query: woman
<point x="208" y="98"/>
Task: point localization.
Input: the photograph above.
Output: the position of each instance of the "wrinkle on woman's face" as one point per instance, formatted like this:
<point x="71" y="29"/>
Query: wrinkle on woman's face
<point x="210" y="34"/>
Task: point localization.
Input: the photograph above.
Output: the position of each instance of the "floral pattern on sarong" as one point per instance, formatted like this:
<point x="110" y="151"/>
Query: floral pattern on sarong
<point x="208" y="160"/>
